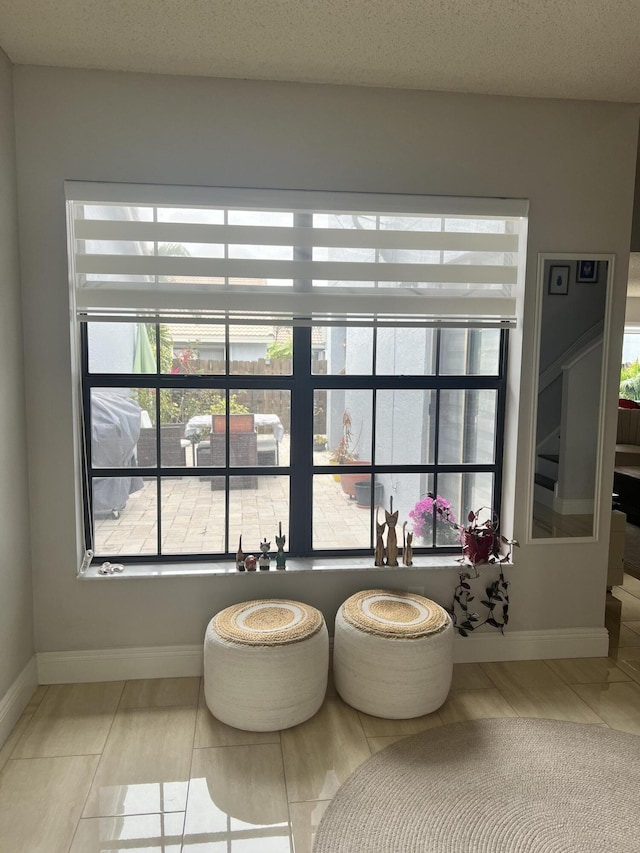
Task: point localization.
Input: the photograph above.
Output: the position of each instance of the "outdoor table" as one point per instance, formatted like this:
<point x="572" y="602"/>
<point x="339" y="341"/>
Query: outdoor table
<point x="199" y="422"/>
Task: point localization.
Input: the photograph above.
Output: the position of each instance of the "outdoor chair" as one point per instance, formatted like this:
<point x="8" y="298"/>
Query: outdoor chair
<point x="172" y="450"/>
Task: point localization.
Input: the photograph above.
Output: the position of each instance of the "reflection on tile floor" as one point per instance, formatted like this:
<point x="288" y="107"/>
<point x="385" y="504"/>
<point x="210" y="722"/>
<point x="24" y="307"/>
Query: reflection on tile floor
<point x="142" y="765"/>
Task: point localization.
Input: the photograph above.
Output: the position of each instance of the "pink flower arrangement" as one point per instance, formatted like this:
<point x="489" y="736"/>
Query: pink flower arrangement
<point x="422" y="516"/>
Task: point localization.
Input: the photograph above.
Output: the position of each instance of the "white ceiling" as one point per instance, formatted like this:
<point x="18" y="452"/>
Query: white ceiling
<point x="587" y="49"/>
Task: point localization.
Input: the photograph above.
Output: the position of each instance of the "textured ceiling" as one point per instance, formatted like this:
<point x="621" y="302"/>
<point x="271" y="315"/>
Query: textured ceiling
<point x="546" y="48"/>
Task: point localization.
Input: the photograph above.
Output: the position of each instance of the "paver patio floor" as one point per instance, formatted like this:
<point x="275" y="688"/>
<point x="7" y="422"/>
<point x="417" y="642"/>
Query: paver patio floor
<point x="192" y="516"/>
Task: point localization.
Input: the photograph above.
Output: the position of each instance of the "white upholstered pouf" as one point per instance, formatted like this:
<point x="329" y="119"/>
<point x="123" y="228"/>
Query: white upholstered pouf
<point x="393" y="653"/>
<point x="266" y="664"/>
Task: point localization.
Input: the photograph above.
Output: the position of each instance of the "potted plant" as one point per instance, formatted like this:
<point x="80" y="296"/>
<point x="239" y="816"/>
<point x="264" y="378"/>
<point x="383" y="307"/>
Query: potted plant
<point x="362" y="489"/>
<point x="480" y="539"/>
<point x="344" y="454"/>
<point x="434" y="509"/>
<point x="319" y="442"/>
<point x="481" y="544"/>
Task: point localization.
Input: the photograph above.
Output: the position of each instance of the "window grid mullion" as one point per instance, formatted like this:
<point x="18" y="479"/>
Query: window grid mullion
<point x="300" y="462"/>
<point x="436" y="443"/>
<point x="302" y="384"/>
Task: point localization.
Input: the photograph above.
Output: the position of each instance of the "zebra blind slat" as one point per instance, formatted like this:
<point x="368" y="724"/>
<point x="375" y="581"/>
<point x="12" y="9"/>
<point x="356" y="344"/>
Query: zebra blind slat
<point x="297" y="255"/>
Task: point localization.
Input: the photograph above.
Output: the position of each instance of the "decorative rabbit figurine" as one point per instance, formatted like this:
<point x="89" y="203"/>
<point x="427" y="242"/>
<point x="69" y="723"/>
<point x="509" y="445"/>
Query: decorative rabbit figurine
<point x="380" y="549"/>
<point x="392" y="539"/>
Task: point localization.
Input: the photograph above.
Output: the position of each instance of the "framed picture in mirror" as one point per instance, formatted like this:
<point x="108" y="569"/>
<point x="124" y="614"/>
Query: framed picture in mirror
<point x="558" y="284"/>
<point x="587" y="272"/>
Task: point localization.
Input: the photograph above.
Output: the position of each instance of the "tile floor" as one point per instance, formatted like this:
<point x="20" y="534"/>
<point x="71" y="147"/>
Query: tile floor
<point x="143" y="766"/>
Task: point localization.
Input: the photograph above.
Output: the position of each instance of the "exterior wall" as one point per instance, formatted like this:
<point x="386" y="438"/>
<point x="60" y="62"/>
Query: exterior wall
<point x="633" y="310"/>
<point x="112" y="347"/>
<point x="575" y="161"/>
<point x="16" y="604"/>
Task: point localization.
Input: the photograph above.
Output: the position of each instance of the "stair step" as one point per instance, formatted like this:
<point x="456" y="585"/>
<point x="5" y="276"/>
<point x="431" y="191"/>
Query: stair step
<point x="543" y="496"/>
<point x="545" y="482"/>
<point x="548" y="465"/>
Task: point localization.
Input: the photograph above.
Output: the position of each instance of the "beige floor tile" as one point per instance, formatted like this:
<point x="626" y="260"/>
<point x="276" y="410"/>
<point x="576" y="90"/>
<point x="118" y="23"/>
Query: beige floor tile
<point x="305" y="820"/>
<point x="474" y="705"/>
<point x="378" y="743"/>
<point x="160" y="692"/>
<point x="211" y="732"/>
<point x="521" y="673"/>
<point x="469" y="676"/>
<point x="552" y="703"/>
<point x="144" y="768"/>
<point x="14" y="737"/>
<point x="151" y="833"/>
<point x="322" y="752"/>
<point x="72" y="719"/>
<point x="237" y="800"/>
<point x="587" y="670"/>
<point x="41" y="800"/>
<point x="617" y="704"/>
<point x="630" y="611"/>
<point x="628" y="660"/>
<point x="379" y="726"/>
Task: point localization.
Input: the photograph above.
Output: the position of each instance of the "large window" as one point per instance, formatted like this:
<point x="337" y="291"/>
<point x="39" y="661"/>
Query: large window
<point x="245" y="365"/>
<point x="630" y="370"/>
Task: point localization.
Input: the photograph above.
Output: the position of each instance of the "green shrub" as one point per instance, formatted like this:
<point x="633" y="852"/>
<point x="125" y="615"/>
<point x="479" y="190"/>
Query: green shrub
<point x="630" y="381"/>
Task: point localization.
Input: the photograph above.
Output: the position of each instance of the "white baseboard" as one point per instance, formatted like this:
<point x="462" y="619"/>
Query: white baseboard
<point x="119" y="664"/>
<point x="16" y="699"/>
<point x="181" y="661"/>
<point x="532" y="645"/>
<point x="572" y="506"/>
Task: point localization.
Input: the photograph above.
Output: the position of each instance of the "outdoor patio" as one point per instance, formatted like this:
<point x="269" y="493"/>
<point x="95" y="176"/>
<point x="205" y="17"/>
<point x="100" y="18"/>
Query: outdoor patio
<point x="192" y="516"/>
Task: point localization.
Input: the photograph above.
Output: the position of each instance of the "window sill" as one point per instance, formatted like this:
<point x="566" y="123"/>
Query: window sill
<point x="200" y="570"/>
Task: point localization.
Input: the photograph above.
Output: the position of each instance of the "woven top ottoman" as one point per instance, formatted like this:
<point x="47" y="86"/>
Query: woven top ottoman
<point x="266" y="664"/>
<point x="393" y="653"/>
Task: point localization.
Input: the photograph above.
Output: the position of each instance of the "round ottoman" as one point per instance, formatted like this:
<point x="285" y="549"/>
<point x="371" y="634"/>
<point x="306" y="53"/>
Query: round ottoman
<point x="266" y="664"/>
<point x="393" y="653"/>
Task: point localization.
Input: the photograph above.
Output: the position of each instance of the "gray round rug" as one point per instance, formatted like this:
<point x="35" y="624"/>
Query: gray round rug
<point x="492" y="786"/>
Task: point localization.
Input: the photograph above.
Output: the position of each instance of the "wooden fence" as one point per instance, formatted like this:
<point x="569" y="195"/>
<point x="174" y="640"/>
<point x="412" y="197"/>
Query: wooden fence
<point x="265" y="400"/>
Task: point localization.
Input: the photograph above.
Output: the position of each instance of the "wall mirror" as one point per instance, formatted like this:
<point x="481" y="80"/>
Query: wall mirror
<point x="572" y="325"/>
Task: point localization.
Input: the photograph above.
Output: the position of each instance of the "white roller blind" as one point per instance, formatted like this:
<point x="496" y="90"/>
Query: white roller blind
<point x="191" y="253"/>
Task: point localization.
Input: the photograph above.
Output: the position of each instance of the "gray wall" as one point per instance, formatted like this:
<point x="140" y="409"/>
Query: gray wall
<point x="16" y="606"/>
<point x="575" y="161"/>
<point x="635" y="232"/>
